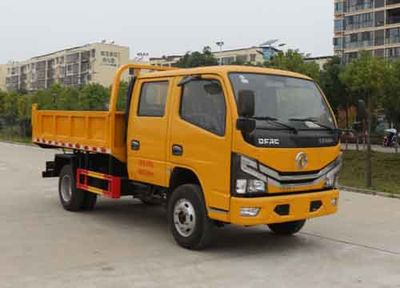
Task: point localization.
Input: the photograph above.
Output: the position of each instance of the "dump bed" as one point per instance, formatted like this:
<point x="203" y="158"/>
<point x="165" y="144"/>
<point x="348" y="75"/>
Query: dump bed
<point x="92" y="131"/>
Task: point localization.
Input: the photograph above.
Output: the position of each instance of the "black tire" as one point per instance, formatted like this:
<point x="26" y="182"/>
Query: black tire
<point x="189" y="196"/>
<point x="89" y="201"/>
<point x="71" y="198"/>
<point x="288" y="228"/>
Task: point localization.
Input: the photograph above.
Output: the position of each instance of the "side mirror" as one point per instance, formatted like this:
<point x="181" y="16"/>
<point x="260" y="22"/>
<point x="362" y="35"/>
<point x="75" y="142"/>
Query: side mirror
<point x="246" y="125"/>
<point x="246" y="103"/>
<point x="362" y="112"/>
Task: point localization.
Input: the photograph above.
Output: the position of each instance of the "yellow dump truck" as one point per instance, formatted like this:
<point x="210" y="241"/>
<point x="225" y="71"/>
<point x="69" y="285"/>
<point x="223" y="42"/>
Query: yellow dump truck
<point x="218" y="145"/>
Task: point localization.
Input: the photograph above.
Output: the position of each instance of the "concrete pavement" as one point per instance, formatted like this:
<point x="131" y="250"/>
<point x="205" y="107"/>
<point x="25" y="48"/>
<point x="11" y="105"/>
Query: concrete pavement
<point x="126" y="244"/>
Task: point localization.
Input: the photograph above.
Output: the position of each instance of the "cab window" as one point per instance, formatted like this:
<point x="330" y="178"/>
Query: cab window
<point x="152" y="99"/>
<point x="203" y="105"/>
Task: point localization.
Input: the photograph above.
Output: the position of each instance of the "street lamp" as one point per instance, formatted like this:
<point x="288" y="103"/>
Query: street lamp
<point x="220" y="44"/>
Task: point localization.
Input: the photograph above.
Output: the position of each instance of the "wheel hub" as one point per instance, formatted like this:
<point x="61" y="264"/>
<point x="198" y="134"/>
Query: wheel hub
<point x="66" y="190"/>
<point x="184" y="217"/>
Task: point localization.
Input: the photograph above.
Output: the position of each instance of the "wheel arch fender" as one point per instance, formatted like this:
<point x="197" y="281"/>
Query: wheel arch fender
<point x="60" y="160"/>
<point x="183" y="175"/>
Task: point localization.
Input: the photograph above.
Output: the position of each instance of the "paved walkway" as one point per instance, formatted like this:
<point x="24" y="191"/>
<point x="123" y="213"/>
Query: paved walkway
<point x="377" y="148"/>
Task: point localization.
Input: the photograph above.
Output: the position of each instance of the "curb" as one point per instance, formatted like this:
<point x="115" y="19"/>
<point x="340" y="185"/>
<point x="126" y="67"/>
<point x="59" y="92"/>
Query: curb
<point x="369" y="192"/>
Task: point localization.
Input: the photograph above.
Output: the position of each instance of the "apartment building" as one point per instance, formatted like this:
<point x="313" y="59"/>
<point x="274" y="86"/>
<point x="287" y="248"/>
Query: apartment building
<point x="371" y="25"/>
<point x="91" y="63"/>
<point x="3" y="73"/>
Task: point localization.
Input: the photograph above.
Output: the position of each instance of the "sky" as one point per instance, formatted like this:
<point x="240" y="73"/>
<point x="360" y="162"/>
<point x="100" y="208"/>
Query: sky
<point x="162" y="27"/>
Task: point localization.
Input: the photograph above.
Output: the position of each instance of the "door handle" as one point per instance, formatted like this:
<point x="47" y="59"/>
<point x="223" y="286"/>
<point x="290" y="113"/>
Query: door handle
<point x="177" y="150"/>
<point x="135" y="145"/>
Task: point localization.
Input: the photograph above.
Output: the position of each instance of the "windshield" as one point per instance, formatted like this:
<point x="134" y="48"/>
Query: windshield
<point x="290" y="100"/>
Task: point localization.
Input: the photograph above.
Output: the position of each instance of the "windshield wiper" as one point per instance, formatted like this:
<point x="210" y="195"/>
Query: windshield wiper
<point x="276" y="120"/>
<point x="313" y="121"/>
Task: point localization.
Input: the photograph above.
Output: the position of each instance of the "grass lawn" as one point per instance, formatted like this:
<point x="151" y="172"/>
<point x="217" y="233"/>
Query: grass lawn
<point x="385" y="171"/>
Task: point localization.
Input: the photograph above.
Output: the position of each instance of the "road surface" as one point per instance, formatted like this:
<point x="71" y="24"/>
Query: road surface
<point x="125" y="244"/>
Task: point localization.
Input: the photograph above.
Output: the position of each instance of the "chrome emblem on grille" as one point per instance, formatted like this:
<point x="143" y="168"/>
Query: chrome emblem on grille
<point x="301" y="160"/>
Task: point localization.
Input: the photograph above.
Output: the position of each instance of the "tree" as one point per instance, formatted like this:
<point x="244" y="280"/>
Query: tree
<point x="293" y="61"/>
<point x="367" y="76"/>
<point x="10" y="108"/>
<point x="94" y="97"/>
<point x="2" y="97"/>
<point x="333" y="87"/>
<point x="197" y="59"/>
<point x="24" y="112"/>
<point x="391" y="99"/>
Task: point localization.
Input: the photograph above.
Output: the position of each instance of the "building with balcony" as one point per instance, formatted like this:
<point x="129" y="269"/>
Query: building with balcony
<point x="91" y="63"/>
<point x="370" y="25"/>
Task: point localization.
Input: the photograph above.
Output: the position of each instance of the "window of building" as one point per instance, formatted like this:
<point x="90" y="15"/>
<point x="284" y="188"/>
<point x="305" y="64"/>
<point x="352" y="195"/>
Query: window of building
<point x="152" y="99"/>
<point x="380" y="3"/>
<point x="393" y="36"/>
<point x="379" y="18"/>
<point x="253" y="57"/>
<point x="203" y="105"/>
<point x="338" y="43"/>
<point x="392" y="2"/>
<point x="356" y="5"/>
<point x="393" y="16"/>
<point x="339" y="25"/>
<point x="339" y="7"/>
<point x="365" y="36"/>
<point x="379" y="37"/>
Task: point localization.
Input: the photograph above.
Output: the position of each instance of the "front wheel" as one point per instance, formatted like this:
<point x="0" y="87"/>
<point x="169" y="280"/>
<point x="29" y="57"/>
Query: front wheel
<point x="187" y="217"/>
<point x="288" y="228"/>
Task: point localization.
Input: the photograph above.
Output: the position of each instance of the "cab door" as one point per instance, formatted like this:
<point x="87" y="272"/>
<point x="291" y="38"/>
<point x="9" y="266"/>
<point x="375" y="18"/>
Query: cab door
<point x="200" y="137"/>
<point x="147" y="132"/>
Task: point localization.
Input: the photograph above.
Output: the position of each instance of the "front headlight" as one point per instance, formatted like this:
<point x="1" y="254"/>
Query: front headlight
<point x="250" y="186"/>
<point x="331" y="179"/>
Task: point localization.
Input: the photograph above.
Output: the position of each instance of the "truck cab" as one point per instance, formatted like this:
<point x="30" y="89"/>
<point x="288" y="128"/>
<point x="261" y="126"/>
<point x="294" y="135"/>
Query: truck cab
<point x="218" y="145"/>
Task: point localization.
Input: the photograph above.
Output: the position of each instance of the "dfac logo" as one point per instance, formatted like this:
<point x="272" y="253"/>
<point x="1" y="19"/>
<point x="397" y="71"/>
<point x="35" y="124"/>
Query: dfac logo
<point x="301" y="160"/>
<point x="268" y="141"/>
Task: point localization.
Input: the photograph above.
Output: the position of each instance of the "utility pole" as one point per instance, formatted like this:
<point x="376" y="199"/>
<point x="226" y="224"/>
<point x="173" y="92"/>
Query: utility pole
<point x="369" y="150"/>
<point x="364" y="113"/>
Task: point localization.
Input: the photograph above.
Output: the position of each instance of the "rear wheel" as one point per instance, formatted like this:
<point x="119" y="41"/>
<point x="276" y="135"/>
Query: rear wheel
<point x="71" y="198"/>
<point x="288" y="228"/>
<point x="187" y="217"/>
<point x="89" y="201"/>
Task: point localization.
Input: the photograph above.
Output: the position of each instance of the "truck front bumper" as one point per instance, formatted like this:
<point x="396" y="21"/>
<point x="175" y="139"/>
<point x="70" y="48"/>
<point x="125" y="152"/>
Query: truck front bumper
<point x="279" y="209"/>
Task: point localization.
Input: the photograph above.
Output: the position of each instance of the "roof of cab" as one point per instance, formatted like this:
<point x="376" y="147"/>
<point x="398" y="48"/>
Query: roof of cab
<point x="221" y="70"/>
